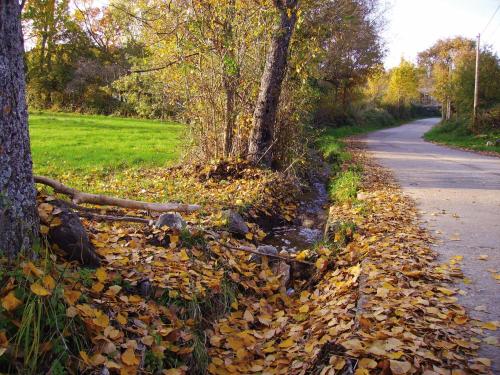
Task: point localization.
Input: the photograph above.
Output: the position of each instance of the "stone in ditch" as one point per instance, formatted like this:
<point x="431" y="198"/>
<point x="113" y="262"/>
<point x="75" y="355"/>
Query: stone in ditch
<point x="173" y="221"/>
<point x="70" y="236"/>
<point x="282" y="269"/>
<point x="264" y="250"/>
<point x="145" y="288"/>
<point x="235" y="223"/>
<point x="267" y="250"/>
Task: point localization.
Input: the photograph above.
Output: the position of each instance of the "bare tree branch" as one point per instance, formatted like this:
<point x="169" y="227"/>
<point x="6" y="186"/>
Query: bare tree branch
<point x="104" y="200"/>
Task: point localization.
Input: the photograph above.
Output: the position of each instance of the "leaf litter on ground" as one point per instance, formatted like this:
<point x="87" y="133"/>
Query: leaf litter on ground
<point x="381" y="305"/>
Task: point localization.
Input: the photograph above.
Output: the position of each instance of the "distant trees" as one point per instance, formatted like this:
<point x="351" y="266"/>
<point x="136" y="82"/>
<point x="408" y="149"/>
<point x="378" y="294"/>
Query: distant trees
<point x="439" y="61"/>
<point x="351" y="44"/>
<point x="74" y="56"/>
<point x="345" y="36"/>
<point x="245" y="88"/>
<point x="18" y="215"/>
<point x="403" y="84"/>
<point x="450" y="64"/>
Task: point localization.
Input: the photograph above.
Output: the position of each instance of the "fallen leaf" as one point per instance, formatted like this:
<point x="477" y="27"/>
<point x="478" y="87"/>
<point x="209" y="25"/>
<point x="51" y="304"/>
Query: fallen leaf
<point x="11" y="302"/>
<point x="484" y="361"/>
<point x="492" y="326"/>
<point x="286" y="344"/>
<point x="129" y="358"/>
<point x="101" y="274"/>
<point x="400" y="367"/>
<point x="49" y="282"/>
<point x="71" y="296"/>
<point x="367" y="363"/>
<point x="248" y="316"/>
<point x="39" y="290"/>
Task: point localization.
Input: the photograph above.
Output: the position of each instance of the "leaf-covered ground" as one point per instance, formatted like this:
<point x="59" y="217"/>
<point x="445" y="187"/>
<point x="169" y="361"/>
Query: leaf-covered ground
<point x="173" y="302"/>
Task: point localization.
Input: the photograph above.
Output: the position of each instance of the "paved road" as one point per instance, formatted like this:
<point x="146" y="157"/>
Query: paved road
<point x="458" y="196"/>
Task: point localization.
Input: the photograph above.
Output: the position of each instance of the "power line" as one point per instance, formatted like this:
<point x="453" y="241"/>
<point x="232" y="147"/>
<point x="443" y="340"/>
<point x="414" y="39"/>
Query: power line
<point x="492" y="33"/>
<point x="491" y="19"/>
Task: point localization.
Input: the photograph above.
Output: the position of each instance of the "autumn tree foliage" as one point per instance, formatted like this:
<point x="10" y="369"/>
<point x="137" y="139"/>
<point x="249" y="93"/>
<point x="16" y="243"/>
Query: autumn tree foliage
<point x="403" y="84"/>
<point x="450" y="65"/>
<point x="244" y="75"/>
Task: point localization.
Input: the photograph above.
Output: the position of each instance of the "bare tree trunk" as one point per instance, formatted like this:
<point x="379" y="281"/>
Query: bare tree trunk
<point x="230" y="116"/>
<point x="266" y="108"/>
<point x="231" y="74"/>
<point x="18" y="215"/>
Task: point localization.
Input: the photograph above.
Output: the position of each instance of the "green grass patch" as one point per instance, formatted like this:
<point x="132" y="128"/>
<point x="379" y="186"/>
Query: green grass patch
<point x="82" y="144"/>
<point x="346" y="181"/>
<point x="345" y="186"/>
<point x="456" y="133"/>
<point x="331" y="143"/>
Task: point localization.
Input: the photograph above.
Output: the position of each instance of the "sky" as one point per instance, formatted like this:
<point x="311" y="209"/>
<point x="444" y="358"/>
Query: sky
<point x="414" y="25"/>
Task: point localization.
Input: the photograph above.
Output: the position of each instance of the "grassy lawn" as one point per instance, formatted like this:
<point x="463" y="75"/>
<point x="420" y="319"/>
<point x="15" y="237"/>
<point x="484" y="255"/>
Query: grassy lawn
<point x="455" y="133"/>
<point x="64" y="143"/>
<point x="100" y="153"/>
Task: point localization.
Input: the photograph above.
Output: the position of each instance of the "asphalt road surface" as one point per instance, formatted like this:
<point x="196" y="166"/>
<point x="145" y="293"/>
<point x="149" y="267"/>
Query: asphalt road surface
<point x="458" y="196"/>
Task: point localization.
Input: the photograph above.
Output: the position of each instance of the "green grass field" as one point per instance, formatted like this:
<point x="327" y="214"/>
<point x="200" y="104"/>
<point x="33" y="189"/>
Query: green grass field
<point x="83" y="144"/>
<point x="456" y="133"/>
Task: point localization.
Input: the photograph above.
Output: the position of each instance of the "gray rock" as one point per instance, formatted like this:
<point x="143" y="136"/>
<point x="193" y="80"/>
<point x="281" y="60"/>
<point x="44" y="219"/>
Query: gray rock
<point x="174" y="221"/>
<point x="235" y="223"/>
<point x="145" y="288"/>
<point x="264" y="250"/>
<point x="284" y="253"/>
<point x="267" y="249"/>
<point x="497" y="142"/>
<point x="282" y="269"/>
<point x="70" y="236"/>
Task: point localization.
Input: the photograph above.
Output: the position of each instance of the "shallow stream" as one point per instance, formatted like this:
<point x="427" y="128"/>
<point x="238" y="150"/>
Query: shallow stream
<point x="308" y="227"/>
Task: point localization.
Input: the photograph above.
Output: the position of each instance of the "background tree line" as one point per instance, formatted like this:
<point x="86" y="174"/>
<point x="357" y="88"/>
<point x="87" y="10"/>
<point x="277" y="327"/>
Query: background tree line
<point x="203" y="62"/>
<point x="449" y="71"/>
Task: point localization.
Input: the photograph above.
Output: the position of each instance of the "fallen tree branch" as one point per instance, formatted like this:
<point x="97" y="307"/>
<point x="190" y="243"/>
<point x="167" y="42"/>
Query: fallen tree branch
<point x="250" y="250"/>
<point x="104" y="200"/>
<point x="99" y="217"/>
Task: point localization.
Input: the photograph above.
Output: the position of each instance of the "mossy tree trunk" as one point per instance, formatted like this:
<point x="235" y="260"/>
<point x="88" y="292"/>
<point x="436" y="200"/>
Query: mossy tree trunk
<point x="18" y="215"/>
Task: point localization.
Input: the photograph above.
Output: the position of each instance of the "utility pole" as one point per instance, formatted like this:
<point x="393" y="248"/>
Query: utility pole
<point x="476" y="83"/>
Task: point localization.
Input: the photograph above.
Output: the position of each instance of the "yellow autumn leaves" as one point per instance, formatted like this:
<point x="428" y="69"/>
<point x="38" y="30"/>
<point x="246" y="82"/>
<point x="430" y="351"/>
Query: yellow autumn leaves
<point x="42" y="286"/>
<point x="11" y="302"/>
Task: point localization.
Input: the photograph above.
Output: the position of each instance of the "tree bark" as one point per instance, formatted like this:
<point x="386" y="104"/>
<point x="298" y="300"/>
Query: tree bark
<point x="266" y="108"/>
<point x="230" y="115"/>
<point x="231" y="75"/>
<point x="18" y="216"/>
